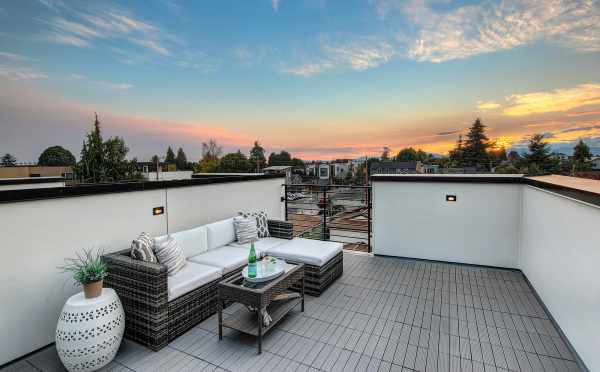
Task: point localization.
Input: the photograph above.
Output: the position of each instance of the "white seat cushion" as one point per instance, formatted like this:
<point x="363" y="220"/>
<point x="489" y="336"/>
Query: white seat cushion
<point x="261" y="245"/>
<point x="308" y="251"/>
<point x="192" y="241"/>
<point x="226" y="258"/>
<point x="190" y="277"/>
<point x="220" y="233"/>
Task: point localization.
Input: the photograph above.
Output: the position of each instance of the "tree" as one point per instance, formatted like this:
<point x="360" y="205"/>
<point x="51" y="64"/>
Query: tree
<point x="56" y="156"/>
<point x="104" y="161"/>
<point x="581" y="157"/>
<point x="257" y="157"/>
<point x="155" y="160"/>
<point x="235" y="162"/>
<point x="283" y="158"/>
<point x="211" y="152"/>
<point x="513" y="156"/>
<point x="170" y="156"/>
<point x="8" y="160"/>
<point x="116" y="166"/>
<point x="476" y="145"/>
<point x="538" y="160"/>
<point x="91" y="167"/>
<point x="181" y="160"/>
<point x="456" y="155"/>
<point x="407" y="154"/>
<point x="385" y="155"/>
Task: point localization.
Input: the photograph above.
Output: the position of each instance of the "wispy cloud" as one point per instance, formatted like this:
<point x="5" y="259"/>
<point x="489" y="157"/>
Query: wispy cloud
<point x="487" y="105"/>
<point x="447" y="133"/>
<point x="82" y="29"/>
<point x="558" y="100"/>
<point x="309" y="69"/>
<point x="275" y="4"/>
<point x="358" y="55"/>
<point x="114" y="86"/>
<point x="16" y="57"/>
<point x="584" y="113"/>
<point x="498" y="25"/>
<point x="20" y="73"/>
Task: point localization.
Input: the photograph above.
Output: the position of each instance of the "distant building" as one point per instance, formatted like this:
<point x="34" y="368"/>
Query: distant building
<point x="431" y="168"/>
<point x="280" y="169"/>
<point x="26" y="171"/>
<point x="341" y="168"/>
<point x="463" y="170"/>
<point x="396" y="167"/>
<point x="595" y="163"/>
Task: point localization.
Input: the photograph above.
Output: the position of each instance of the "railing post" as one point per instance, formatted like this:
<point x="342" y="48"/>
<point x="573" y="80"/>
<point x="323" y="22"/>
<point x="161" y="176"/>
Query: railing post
<point x="369" y="206"/>
<point x="324" y="213"/>
<point x="285" y="200"/>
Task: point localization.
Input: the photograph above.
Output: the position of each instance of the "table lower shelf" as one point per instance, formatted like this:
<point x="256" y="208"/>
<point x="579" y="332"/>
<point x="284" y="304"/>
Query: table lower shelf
<point x="247" y="322"/>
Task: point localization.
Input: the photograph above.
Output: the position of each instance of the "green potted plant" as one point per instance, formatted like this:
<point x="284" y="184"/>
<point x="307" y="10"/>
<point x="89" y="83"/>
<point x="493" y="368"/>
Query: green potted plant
<point x="88" y="270"/>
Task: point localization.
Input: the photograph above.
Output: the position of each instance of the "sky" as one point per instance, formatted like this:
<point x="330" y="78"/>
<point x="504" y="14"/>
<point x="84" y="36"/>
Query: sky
<point x="322" y="79"/>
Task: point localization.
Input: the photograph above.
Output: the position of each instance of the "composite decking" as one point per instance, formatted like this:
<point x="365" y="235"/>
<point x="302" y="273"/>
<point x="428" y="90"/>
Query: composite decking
<point x="382" y="314"/>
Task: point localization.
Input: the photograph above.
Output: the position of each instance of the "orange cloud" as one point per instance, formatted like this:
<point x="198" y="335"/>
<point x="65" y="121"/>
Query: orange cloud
<point x="558" y="100"/>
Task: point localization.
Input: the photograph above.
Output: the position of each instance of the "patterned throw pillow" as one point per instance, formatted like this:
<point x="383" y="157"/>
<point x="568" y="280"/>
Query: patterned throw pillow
<point x="245" y="229"/>
<point x="141" y="248"/>
<point x="261" y="222"/>
<point x="170" y="254"/>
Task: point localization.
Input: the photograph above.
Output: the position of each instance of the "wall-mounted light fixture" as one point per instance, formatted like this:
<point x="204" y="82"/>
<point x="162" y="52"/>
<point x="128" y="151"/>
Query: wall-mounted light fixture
<point x="158" y="210"/>
<point x="450" y="198"/>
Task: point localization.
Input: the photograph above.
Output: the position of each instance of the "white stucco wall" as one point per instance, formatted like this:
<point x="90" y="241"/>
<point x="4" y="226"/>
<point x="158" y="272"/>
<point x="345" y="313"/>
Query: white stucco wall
<point x="560" y="256"/>
<point x="413" y="219"/>
<point x="195" y="206"/>
<point x="38" y="235"/>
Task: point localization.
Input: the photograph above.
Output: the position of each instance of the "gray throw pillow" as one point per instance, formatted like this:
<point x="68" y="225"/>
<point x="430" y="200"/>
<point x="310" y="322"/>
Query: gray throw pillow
<point x="169" y="253"/>
<point x="141" y="249"/>
<point x="245" y="229"/>
<point x="262" y="224"/>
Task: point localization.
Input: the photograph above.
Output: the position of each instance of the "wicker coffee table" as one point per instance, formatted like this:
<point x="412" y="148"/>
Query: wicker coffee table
<point x="259" y="296"/>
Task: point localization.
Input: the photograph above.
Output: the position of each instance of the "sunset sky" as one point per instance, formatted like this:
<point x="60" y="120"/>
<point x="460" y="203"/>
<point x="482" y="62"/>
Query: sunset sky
<point x="322" y="79"/>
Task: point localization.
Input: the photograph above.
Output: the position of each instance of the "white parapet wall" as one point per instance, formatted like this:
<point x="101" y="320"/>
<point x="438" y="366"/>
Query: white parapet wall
<point x="38" y="234"/>
<point x="545" y="226"/>
<point x="414" y="219"/>
<point x="560" y="256"/>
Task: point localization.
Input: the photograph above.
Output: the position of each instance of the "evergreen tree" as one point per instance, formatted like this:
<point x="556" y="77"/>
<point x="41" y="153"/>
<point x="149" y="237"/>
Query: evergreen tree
<point x="538" y="159"/>
<point x="181" y="160"/>
<point x="456" y="155"/>
<point x="476" y="145"/>
<point x="581" y="156"/>
<point x="91" y="166"/>
<point x="104" y="161"/>
<point x="170" y="156"/>
<point x="257" y="157"/>
<point x="8" y="160"/>
<point x="56" y="156"/>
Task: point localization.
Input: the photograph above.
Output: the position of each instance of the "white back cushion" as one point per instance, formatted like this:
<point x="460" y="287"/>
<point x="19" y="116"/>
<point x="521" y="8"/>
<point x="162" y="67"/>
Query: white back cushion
<point x="220" y="233"/>
<point x="192" y="241"/>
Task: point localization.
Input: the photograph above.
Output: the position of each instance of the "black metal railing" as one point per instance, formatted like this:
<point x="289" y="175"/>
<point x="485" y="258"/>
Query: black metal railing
<point x="340" y="213"/>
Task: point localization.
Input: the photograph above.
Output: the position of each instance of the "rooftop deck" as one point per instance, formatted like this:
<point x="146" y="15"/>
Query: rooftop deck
<point x="383" y="314"/>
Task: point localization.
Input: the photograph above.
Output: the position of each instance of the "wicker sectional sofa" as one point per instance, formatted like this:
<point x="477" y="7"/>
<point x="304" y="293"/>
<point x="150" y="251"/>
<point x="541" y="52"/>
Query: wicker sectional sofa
<point x="159" y="308"/>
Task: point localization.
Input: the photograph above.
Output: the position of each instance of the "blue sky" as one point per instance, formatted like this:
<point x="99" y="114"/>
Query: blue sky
<point x="321" y="78"/>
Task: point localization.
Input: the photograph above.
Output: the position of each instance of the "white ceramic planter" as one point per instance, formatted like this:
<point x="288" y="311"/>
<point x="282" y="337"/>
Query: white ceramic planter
<point x="89" y="331"/>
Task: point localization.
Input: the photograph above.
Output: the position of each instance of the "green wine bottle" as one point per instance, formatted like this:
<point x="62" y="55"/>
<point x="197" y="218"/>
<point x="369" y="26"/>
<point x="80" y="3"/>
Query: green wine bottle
<point x="252" y="262"/>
